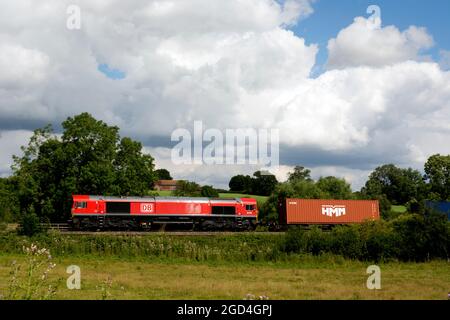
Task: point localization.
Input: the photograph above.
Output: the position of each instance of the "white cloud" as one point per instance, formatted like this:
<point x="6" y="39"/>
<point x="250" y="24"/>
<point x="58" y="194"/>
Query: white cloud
<point x="293" y="10"/>
<point x="363" y="44"/>
<point x="230" y="64"/>
<point x="346" y="109"/>
<point x="21" y="66"/>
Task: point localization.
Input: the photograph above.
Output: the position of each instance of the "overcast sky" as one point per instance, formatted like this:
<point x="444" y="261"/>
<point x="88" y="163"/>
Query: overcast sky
<point x="347" y="90"/>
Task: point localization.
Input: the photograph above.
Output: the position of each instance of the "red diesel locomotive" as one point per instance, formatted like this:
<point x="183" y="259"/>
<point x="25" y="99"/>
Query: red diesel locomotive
<point x="129" y="213"/>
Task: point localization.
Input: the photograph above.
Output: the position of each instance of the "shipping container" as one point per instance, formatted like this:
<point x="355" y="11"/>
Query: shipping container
<point x="327" y="212"/>
<point x="440" y="206"/>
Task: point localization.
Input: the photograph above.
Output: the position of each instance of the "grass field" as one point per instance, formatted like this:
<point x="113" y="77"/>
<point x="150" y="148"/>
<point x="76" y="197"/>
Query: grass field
<point x="214" y="267"/>
<point x="164" y="193"/>
<point x="260" y="199"/>
<point x="313" y="279"/>
<point x="398" y="209"/>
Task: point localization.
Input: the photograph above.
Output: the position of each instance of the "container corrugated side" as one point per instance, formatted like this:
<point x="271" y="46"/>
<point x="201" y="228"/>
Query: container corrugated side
<point x="307" y="211"/>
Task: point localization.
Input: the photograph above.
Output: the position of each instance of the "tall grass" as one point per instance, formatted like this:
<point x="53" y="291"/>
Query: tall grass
<point x="235" y="248"/>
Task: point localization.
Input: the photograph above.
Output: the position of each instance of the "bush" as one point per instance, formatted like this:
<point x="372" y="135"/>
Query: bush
<point x="294" y="240"/>
<point x="30" y="224"/>
<point x="437" y="232"/>
<point x="298" y="240"/>
<point x="346" y="241"/>
<point x="423" y="237"/>
<point x="380" y="241"/>
<point x="317" y="241"/>
<point x="407" y="238"/>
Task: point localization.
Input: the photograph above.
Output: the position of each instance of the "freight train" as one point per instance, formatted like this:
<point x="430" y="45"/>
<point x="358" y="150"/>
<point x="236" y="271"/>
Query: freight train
<point x="206" y="214"/>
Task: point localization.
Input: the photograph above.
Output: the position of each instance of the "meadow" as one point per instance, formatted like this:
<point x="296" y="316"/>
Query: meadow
<point x="309" y="278"/>
<point x="215" y="267"/>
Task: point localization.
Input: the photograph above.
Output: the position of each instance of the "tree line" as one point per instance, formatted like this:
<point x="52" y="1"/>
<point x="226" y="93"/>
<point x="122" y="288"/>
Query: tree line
<point x="90" y="157"/>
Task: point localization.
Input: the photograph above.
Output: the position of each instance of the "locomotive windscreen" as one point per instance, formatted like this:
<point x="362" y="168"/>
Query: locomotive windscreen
<point x="117" y="207"/>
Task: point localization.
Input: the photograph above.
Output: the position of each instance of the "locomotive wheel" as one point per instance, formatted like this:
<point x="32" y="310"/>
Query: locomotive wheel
<point x="75" y="224"/>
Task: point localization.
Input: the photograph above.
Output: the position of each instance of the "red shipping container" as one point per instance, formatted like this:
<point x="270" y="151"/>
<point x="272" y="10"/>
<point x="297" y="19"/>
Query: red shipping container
<point x="325" y="212"/>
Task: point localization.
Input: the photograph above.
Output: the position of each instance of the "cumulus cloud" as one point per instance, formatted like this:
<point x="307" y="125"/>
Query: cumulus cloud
<point x="347" y="109"/>
<point x="21" y="66"/>
<point x="364" y="43"/>
<point x="230" y="64"/>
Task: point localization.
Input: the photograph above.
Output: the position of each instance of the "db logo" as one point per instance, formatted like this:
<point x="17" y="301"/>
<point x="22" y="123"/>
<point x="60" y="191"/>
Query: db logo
<point x="146" y="207"/>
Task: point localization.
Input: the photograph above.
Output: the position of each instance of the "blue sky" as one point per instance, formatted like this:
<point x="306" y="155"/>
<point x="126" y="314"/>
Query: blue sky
<point x="111" y="73"/>
<point x="330" y="16"/>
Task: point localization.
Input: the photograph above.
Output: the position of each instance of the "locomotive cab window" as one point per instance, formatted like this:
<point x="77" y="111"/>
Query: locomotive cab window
<point x="223" y="210"/>
<point x="250" y="207"/>
<point x="80" y="205"/>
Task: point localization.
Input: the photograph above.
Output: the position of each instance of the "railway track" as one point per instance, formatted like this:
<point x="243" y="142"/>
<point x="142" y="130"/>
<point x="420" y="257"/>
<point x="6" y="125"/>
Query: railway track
<point x="63" y="228"/>
<point x="167" y="233"/>
<point x="55" y="226"/>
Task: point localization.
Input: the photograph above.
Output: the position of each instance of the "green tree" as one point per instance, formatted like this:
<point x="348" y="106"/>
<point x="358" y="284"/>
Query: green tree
<point x="303" y="189"/>
<point x="399" y="185"/>
<point x="91" y="148"/>
<point x="209" y="191"/>
<point x="187" y="189"/>
<point x="300" y="173"/>
<point x="33" y="174"/>
<point x="241" y="183"/>
<point x="9" y="203"/>
<point x="263" y="184"/>
<point x="163" y="174"/>
<point x="334" y="188"/>
<point x="134" y="170"/>
<point x="437" y="169"/>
